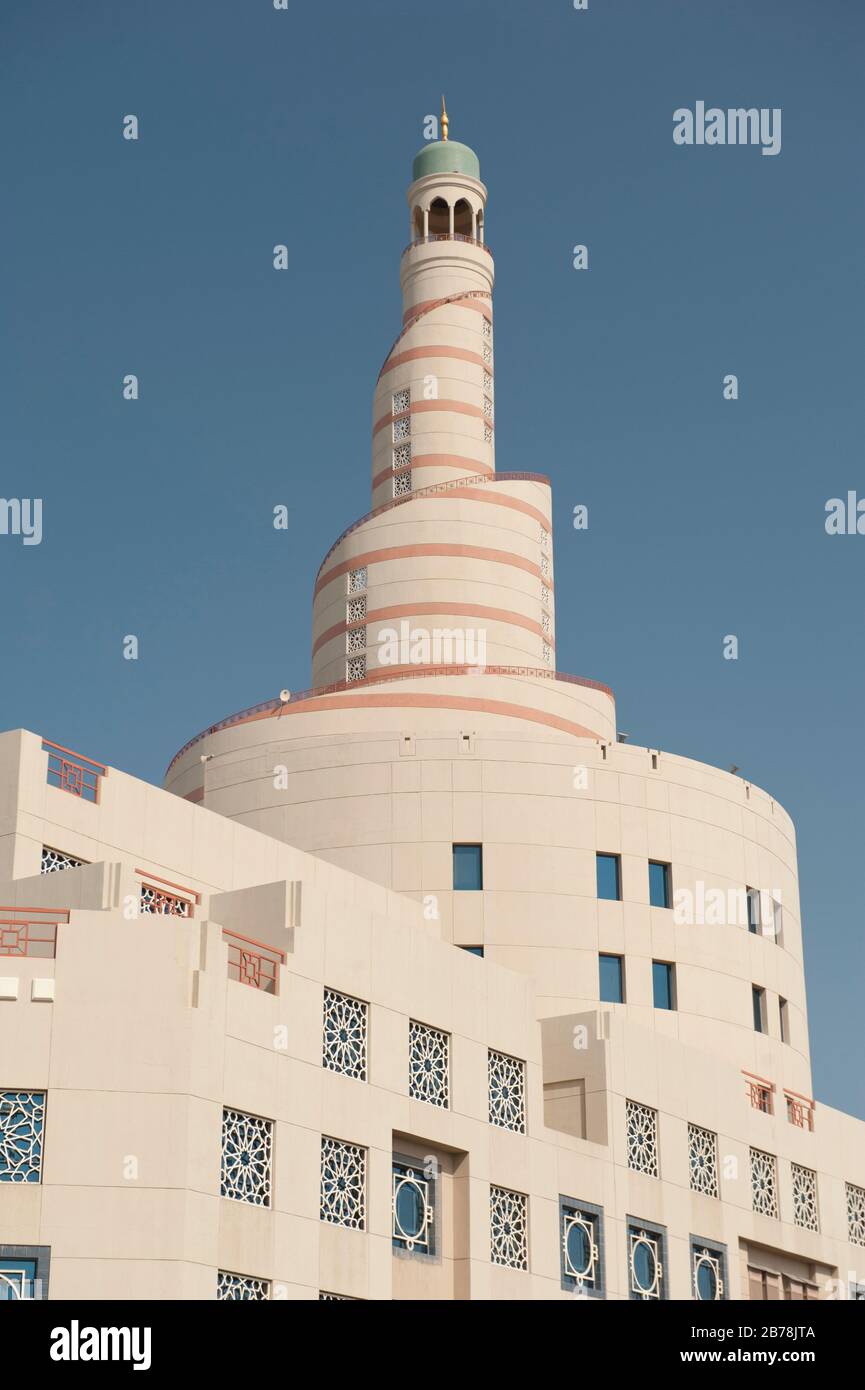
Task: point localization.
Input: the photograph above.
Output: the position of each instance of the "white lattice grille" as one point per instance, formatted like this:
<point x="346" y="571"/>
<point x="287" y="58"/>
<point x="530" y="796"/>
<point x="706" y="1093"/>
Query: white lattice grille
<point x="402" y="457"/>
<point x="335" y="1298"/>
<point x="401" y="428"/>
<point x="545" y="566"/>
<point x="488" y="382"/>
<point x="645" y="1266"/>
<point x="804" y="1197"/>
<point x="345" y="1034"/>
<point x="543" y="536"/>
<point x="487" y="328"/>
<point x="343" y="1183"/>
<point x="509" y="1228"/>
<point x="402" y="484"/>
<point x="642" y="1124"/>
<point x="247" y="1147"/>
<point x="163" y="904"/>
<point x="488" y="434"/>
<point x="234" y="1288"/>
<point x="708" y="1272"/>
<point x="355" y="609"/>
<point x="401" y="400"/>
<point x="357" y="580"/>
<point x="764" y="1183"/>
<point x="856" y="1214"/>
<point x="547" y="653"/>
<point x="545" y="596"/>
<point x="546" y="623"/>
<point x="412" y="1211"/>
<point x="428" y="1064"/>
<point x="355" y="668"/>
<point x="579" y="1235"/>
<point x="703" y="1160"/>
<point x="54" y="861"/>
<point x="488" y="353"/>
<point x="22" y="1121"/>
<point x="355" y="640"/>
<point x="507" y="1082"/>
<point x="488" y="407"/>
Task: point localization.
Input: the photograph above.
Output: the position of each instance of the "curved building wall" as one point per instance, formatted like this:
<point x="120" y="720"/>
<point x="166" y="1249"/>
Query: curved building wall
<point x="471" y="560"/>
<point x="387" y="792"/>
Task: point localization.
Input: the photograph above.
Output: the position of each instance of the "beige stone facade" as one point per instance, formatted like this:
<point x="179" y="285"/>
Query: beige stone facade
<point x="268" y="1033"/>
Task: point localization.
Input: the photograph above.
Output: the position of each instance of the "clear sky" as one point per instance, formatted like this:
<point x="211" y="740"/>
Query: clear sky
<point x="706" y="516"/>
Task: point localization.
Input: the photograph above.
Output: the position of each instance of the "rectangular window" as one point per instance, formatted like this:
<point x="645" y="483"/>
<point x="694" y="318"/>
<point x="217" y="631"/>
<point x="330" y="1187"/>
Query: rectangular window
<point x="22" y="1124"/>
<point x="663" y="985"/>
<point x="507" y="1091"/>
<point x="647" y="1260"/>
<point x="777" y="921"/>
<point x="753" y="895"/>
<point x="609" y="876"/>
<point x="612" y="979"/>
<point x="343" y="1183"/>
<point x="659" y="884"/>
<point x="509" y="1228"/>
<point x="344" y="1035"/>
<point x="24" y="1272"/>
<point x="247" y="1155"/>
<point x="412" y="1208"/>
<point x="759" y="1000"/>
<point x="241" y="1288"/>
<point x="468" y="868"/>
<point x="763" y="1286"/>
<point x="708" y="1271"/>
<point x="581" y="1246"/>
<point x="796" y="1289"/>
<point x="642" y="1136"/>
<point x="56" y="860"/>
<point x="784" y="1017"/>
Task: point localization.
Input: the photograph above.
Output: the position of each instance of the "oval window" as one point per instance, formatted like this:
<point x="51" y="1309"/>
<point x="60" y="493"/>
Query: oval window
<point x="707" y="1281"/>
<point x="645" y="1266"/>
<point x="579" y="1248"/>
<point x="410" y="1209"/>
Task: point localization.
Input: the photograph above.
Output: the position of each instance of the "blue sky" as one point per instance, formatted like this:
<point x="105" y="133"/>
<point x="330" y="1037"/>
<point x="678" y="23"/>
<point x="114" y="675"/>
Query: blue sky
<point x="706" y="516"/>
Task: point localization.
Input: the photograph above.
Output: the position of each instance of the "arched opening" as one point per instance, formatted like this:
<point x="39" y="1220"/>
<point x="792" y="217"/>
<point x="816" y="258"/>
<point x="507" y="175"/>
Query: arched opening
<point x="462" y="218"/>
<point x="439" y="218"/>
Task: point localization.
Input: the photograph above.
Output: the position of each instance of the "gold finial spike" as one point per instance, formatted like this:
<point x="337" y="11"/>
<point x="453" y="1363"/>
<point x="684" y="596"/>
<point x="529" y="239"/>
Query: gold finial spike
<point x="444" y="121"/>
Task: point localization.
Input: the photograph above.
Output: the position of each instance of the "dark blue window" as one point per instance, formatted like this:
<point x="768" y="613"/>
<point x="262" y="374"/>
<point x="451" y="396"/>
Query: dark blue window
<point x="16" y="1278"/>
<point x="413" y="1209"/>
<point x="473" y="950"/>
<point x="609" y="877"/>
<point x="468" y="867"/>
<point x="659" y="884"/>
<point x="753" y="909"/>
<point x="611" y="979"/>
<point x="758" y="996"/>
<point x="708" y="1271"/>
<point x="647" y="1260"/>
<point x="662" y="985"/>
<point x="24" y="1272"/>
<point x="581" y="1247"/>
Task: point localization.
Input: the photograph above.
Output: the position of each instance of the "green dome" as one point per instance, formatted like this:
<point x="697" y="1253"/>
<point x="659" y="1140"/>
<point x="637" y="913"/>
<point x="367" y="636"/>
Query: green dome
<point x="446" y="157"/>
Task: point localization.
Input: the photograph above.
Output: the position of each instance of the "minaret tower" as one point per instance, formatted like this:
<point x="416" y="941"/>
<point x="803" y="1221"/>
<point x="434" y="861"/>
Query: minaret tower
<point x="443" y="356"/>
<point x="449" y="545"/>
